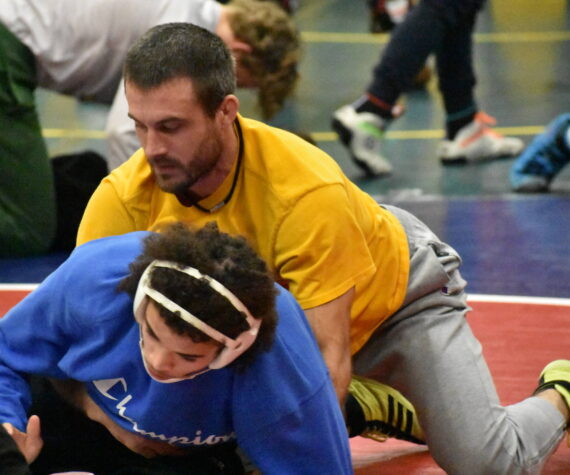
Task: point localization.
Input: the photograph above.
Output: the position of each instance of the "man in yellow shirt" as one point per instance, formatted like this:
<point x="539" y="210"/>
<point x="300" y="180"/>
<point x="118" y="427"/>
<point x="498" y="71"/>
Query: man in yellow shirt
<point x="383" y="294"/>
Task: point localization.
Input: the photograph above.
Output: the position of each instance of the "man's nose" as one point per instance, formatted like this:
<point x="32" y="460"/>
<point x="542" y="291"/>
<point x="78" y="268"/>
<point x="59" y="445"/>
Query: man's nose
<point x="154" y="144"/>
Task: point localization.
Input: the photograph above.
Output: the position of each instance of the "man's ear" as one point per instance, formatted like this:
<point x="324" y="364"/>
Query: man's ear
<point x="228" y="110"/>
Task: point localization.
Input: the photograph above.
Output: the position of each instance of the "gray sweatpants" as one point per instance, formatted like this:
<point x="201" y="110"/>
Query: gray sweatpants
<point x="427" y="351"/>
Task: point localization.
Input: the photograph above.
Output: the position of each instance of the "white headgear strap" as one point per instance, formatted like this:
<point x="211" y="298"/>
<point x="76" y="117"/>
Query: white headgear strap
<point x="145" y="287"/>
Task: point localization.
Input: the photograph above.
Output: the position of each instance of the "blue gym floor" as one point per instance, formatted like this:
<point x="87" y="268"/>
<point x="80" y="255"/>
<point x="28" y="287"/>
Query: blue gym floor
<point x="511" y="244"/>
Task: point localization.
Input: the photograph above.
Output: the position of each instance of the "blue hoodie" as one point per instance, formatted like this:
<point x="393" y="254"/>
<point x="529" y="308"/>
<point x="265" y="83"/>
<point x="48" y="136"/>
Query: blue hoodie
<point x="282" y="409"/>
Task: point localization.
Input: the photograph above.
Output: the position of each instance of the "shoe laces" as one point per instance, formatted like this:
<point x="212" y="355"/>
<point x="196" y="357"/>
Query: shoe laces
<point x="485" y="119"/>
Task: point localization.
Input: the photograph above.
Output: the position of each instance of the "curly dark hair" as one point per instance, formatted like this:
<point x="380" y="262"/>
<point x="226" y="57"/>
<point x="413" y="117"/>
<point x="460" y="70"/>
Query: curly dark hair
<point x="229" y="260"/>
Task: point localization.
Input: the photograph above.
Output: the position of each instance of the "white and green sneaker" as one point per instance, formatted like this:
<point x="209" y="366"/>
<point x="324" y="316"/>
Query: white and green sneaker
<point x="378" y="412"/>
<point x="362" y="133"/>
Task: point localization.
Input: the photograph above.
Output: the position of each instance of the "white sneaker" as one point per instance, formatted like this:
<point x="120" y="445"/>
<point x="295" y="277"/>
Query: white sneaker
<point x="362" y="133"/>
<point x="477" y="141"/>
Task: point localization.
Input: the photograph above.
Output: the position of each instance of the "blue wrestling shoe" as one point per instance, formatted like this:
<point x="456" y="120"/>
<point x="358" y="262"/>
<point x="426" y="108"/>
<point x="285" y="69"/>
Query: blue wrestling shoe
<point x="541" y="161"/>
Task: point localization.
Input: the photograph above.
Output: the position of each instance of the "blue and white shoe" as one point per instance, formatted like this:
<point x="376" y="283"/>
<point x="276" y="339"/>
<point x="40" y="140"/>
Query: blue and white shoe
<point x="541" y="161"/>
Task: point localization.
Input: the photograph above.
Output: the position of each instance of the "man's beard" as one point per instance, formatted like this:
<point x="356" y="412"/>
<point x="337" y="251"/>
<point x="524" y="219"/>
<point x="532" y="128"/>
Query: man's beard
<point x="205" y="160"/>
<point x="187" y="179"/>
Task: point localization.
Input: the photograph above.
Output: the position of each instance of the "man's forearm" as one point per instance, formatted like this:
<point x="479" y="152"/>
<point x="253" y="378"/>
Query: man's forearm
<point x="331" y="325"/>
<point x="340" y="369"/>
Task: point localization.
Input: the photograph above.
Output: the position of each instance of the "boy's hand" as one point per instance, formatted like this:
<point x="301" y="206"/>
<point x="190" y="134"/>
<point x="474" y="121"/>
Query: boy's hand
<point x="30" y="442"/>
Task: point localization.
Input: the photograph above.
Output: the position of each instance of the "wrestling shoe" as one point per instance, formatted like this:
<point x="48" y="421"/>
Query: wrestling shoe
<point x="377" y="411"/>
<point x="362" y="133"/>
<point x="541" y="161"/>
<point x="477" y="141"/>
<point x="556" y="375"/>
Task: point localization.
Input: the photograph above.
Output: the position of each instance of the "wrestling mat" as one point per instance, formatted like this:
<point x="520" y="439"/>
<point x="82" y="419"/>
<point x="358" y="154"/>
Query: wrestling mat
<point x="519" y="336"/>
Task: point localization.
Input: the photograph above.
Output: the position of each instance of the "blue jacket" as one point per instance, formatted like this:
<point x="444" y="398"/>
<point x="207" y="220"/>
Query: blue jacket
<point x="282" y="409"/>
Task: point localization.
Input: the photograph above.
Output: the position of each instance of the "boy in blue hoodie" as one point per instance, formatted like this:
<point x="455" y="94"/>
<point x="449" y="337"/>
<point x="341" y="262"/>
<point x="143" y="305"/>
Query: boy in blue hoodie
<point x="176" y="340"/>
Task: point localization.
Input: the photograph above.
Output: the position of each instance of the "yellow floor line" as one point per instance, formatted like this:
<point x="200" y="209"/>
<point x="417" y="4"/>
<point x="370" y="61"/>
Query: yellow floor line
<point x="73" y="134"/>
<point x="430" y="134"/>
<point x="318" y="136"/>
<point x="383" y="38"/>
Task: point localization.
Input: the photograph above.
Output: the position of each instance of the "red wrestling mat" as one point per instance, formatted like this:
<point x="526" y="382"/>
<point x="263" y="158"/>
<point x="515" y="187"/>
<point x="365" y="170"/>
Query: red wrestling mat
<point x="11" y="294"/>
<point x="531" y="332"/>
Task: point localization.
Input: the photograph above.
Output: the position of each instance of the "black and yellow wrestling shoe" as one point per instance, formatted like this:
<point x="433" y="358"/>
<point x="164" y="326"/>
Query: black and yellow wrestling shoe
<point x="378" y="412"/>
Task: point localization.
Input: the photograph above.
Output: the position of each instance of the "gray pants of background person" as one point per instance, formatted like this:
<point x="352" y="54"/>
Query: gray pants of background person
<point x="427" y="351"/>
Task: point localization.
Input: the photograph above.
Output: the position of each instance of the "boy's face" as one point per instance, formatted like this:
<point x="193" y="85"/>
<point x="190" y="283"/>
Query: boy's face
<point x="169" y="356"/>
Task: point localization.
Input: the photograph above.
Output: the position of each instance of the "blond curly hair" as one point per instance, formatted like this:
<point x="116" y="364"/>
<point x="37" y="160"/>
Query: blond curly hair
<point x="276" y="49"/>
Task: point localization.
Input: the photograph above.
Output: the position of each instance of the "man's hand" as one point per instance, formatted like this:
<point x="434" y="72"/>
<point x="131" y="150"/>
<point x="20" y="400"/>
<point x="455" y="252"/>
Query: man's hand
<point x="30" y="442"/>
<point x="331" y="325"/>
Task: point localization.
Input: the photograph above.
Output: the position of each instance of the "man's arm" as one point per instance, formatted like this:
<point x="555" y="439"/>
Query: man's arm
<point x="321" y="270"/>
<point x="331" y="325"/>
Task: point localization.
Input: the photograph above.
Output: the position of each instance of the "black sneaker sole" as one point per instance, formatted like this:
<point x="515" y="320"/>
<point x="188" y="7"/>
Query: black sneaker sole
<point x="463" y="160"/>
<point x="454" y="161"/>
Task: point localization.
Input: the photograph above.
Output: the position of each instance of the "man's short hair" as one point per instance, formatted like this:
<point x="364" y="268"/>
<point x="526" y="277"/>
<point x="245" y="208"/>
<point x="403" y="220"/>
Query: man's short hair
<point x="174" y="50"/>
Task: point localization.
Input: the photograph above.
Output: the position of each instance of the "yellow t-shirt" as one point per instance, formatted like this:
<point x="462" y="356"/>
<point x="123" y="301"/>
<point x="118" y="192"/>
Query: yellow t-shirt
<point x="318" y="232"/>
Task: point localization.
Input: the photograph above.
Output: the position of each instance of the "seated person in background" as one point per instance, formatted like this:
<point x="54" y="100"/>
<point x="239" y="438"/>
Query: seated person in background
<point x="78" y="48"/>
<point x="544" y="158"/>
<point x="185" y="347"/>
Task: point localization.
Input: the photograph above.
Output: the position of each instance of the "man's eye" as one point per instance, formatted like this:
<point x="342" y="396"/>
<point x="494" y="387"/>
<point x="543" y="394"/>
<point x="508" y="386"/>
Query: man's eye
<point x="170" y="127"/>
<point x="188" y="358"/>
